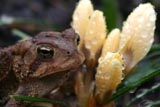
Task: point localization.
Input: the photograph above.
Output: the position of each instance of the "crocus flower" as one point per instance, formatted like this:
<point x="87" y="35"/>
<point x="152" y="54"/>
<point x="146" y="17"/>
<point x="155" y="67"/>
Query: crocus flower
<point x="135" y="41"/>
<point x="90" y="25"/>
<point x="121" y="50"/>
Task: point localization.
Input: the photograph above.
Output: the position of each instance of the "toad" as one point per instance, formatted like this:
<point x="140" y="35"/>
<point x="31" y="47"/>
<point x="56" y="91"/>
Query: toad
<point x="36" y="66"/>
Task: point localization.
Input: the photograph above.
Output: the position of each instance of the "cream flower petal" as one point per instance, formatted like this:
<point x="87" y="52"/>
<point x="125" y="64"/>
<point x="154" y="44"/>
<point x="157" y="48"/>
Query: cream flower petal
<point x="111" y="43"/>
<point x="109" y="74"/>
<point x="81" y="17"/>
<point x="137" y="34"/>
<point x="96" y="33"/>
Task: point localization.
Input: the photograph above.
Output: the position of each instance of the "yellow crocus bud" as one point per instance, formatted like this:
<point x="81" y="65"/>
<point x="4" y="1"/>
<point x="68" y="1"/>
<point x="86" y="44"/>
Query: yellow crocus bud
<point x="95" y="34"/>
<point x="81" y="16"/>
<point x="111" y="43"/>
<point x="109" y="74"/>
<point x="137" y="35"/>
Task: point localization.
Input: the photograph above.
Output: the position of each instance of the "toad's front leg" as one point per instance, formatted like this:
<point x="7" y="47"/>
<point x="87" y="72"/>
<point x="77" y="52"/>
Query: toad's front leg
<point x="38" y="88"/>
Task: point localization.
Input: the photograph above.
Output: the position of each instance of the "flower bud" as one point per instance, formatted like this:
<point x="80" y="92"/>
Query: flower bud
<point x="81" y="16"/>
<point x="111" y="43"/>
<point x="137" y="35"/>
<point x="96" y="33"/>
<point x="109" y="74"/>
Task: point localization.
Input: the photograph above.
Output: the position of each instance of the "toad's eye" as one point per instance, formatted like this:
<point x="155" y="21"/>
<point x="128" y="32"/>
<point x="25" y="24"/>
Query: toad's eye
<point x="45" y="51"/>
<point x="77" y="40"/>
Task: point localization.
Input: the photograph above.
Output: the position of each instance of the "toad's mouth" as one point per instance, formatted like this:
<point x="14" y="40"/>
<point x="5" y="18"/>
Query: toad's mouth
<point x="58" y="79"/>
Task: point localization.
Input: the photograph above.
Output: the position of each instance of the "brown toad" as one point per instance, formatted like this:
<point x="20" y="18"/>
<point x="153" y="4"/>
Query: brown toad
<point x="36" y="66"/>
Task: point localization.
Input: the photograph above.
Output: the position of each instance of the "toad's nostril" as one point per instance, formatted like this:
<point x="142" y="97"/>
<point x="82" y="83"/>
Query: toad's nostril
<point x="68" y="53"/>
<point x="71" y="52"/>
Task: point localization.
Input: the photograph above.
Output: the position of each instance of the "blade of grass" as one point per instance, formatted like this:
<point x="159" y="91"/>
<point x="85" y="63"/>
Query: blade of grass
<point x="146" y="67"/>
<point x="140" y="96"/>
<point x="132" y="85"/>
<point x="21" y="34"/>
<point x="6" y="20"/>
<point x="37" y="99"/>
<point x="154" y="104"/>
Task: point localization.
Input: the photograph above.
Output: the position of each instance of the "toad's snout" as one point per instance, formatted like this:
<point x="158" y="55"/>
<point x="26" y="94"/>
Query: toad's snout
<point x="76" y="55"/>
<point x="79" y="57"/>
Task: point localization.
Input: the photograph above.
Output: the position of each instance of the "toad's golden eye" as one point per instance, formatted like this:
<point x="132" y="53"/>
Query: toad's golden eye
<point x="45" y="51"/>
<point x="77" y="40"/>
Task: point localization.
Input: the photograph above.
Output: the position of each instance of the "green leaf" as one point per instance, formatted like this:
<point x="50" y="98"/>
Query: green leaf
<point x="37" y="99"/>
<point x="155" y="48"/>
<point x="110" y="10"/>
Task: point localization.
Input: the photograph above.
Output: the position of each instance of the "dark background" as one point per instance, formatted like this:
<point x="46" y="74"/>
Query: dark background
<point x="33" y="16"/>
